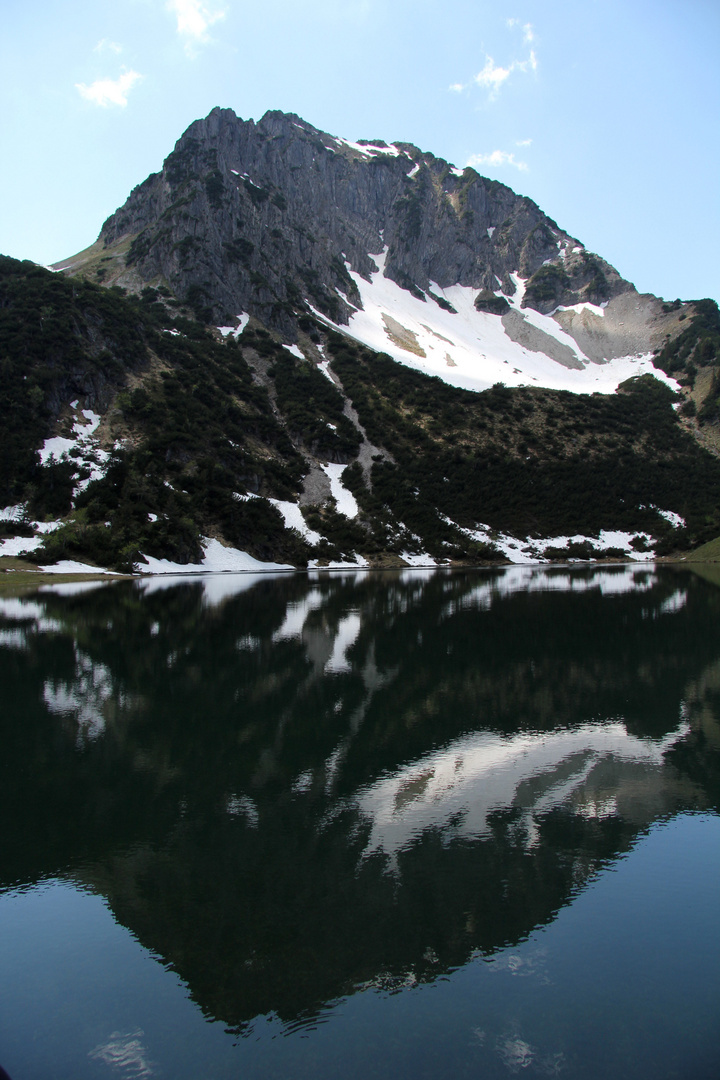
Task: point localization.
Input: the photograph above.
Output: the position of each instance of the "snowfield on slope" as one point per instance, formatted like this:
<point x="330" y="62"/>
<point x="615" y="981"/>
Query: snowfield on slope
<point x="529" y="551"/>
<point x="472" y="349"/>
<point x="216" y="559"/>
<point x="83" y="445"/>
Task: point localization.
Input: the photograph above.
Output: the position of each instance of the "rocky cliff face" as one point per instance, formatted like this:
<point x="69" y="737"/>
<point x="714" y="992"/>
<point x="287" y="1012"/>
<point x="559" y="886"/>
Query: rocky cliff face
<point x="263" y="217"/>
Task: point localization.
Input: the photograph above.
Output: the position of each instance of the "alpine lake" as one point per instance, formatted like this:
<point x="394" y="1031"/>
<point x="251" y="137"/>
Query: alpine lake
<point x="421" y="823"/>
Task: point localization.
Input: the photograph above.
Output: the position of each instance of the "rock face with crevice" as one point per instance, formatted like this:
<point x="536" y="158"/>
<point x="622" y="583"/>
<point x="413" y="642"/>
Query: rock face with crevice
<point x="267" y="217"/>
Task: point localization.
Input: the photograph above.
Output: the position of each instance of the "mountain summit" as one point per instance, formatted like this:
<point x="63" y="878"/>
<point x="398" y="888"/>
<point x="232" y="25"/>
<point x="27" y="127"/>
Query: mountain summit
<point x="288" y="348"/>
<point x="276" y="219"/>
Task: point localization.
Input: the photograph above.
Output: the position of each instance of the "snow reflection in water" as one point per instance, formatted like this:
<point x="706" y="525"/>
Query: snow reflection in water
<point x="457" y="789"/>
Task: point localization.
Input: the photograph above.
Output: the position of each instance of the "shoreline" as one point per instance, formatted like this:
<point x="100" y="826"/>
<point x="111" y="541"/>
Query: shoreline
<point x="33" y="574"/>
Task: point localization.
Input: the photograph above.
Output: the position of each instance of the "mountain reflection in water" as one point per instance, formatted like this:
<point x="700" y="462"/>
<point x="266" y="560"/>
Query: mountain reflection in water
<point x="292" y="786"/>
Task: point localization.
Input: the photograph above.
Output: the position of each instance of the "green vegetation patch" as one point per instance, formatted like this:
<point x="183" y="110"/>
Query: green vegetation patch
<point x="549" y="283"/>
<point x="699" y="342"/>
<point x="489" y="302"/>
<point x="60" y="339"/>
<point x="530" y="461"/>
<point x="194" y="427"/>
<point x="706" y="553"/>
<point x="313" y="409"/>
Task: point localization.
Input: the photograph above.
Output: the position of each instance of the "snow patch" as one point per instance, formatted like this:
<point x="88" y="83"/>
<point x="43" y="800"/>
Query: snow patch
<point x="13" y="513"/>
<point x="53" y="449"/>
<point x="234" y="331"/>
<point x="346" y="503"/>
<point x="358" y="563"/>
<point x="369" y="150"/>
<point x="68" y="566"/>
<point x="88" y="454"/>
<point x="295" y="350"/>
<point x="19" y="545"/>
<point x="596" y="309"/>
<point x="16" y="546"/>
<point x="324" y="366"/>
<point x="480" y="351"/>
<point x="291" y="513"/>
<point x="422" y="560"/>
<point x="530" y="551"/>
<point x="216" y="559"/>
<point x="293" y="518"/>
<point x="675" y="520"/>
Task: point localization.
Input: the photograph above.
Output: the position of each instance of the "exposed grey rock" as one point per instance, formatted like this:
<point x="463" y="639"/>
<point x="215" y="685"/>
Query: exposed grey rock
<point x="629" y="325"/>
<point x="316" y="487"/>
<point x="263" y="217"/>
<point x="519" y="329"/>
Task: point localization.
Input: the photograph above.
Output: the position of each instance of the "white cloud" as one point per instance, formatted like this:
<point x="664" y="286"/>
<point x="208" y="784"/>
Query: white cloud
<point x="493" y="76"/>
<point x="497" y="159"/>
<point x="194" y="19"/>
<point x="107" y="46"/>
<point x="106" y="92"/>
<point x="527" y="29"/>
<point x="524" y="142"/>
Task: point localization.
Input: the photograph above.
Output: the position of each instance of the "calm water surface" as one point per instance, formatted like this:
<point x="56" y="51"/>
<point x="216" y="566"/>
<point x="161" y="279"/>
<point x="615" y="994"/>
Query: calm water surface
<point x="413" y="824"/>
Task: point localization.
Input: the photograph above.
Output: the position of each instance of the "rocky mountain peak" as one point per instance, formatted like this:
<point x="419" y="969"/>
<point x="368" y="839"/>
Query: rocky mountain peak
<point x="268" y="217"/>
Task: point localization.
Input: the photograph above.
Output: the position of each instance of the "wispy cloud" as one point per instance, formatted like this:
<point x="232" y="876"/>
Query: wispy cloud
<point x="524" y="142"/>
<point x="107" y="92"/>
<point x="497" y="159"/>
<point x="194" y="19"/>
<point x="107" y="46"/>
<point x="493" y="76"/>
<point x="527" y="29"/>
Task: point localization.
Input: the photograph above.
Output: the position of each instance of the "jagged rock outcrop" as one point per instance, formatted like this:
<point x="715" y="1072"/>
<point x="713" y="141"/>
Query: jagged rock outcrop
<point x="262" y="217"/>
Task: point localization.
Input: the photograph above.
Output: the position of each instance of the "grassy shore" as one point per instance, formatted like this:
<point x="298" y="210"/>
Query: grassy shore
<point x="706" y="553"/>
<point x="20" y="573"/>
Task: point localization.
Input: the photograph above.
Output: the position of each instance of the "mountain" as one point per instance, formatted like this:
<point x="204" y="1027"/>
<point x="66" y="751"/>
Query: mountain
<point x="298" y="347"/>
<point x="274" y="218"/>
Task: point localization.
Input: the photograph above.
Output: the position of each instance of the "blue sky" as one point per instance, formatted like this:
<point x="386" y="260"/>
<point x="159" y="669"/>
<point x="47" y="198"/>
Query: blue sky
<point x="605" y="112"/>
